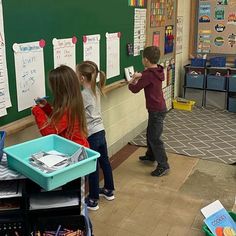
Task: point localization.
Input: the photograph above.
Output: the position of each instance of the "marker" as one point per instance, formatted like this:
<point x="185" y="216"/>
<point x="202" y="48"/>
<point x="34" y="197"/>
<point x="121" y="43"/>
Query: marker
<point x="40" y="99"/>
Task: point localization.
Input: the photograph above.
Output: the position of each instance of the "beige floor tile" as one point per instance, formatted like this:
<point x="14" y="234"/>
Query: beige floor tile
<point x="169" y="205"/>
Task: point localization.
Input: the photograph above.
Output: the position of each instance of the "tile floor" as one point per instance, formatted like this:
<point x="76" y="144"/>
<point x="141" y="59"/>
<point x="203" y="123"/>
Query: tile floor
<point x="168" y="205"/>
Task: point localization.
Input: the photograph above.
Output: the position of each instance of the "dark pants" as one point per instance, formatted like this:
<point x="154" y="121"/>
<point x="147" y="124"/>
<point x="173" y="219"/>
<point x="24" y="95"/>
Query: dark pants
<point x="98" y="143"/>
<point x="155" y="146"/>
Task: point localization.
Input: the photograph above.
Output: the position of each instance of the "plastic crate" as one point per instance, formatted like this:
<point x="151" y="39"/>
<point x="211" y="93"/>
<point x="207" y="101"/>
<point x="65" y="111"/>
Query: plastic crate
<point x="70" y="222"/>
<point x="232" y="83"/>
<point x="2" y="139"/>
<point x="208" y="232"/>
<point x="216" y="82"/>
<point x="198" y="62"/>
<point x="195" y="81"/>
<point x="187" y="106"/>
<point x="232" y="104"/>
<point x="18" y="159"/>
<point x="218" y="61"/>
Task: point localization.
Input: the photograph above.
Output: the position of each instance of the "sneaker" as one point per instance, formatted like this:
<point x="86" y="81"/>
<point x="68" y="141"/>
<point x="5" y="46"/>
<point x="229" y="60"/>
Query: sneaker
<point x="92" y="204"/>
<point x="146" y="158"/>
<point x="108" y="194"/>
<point x="160" y="171"/>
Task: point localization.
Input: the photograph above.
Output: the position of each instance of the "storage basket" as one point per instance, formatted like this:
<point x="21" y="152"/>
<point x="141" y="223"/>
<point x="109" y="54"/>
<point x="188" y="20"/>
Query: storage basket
<point x="18" y="158"/>
<point x="232" y="83"/>
<point x="2" y="139"/>
<point x="198" y="62"/>
<point x="187" y="106"/>
<point x="232" y="104"/>
<point x="218" y="61"/>
<point x="195" y="81"/>
<point x="216" y="82"/>
<point x="208" y="232"/>
<point x="70" y="222"/>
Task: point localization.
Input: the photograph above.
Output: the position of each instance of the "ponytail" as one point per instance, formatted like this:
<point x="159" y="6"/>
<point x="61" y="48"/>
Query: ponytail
<point x="102" y="82"/>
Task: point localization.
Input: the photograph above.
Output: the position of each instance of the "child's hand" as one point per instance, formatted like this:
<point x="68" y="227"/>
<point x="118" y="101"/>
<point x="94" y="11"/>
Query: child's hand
<point x="137" y="75"/>
<point x="40" y="101"/>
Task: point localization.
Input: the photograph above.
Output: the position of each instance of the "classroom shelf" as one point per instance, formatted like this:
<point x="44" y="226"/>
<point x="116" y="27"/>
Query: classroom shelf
<point x="209" y="74"/>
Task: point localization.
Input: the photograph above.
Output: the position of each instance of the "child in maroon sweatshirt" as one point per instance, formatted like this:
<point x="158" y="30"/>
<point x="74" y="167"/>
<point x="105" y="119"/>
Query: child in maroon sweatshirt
<point x="151" y="81"/>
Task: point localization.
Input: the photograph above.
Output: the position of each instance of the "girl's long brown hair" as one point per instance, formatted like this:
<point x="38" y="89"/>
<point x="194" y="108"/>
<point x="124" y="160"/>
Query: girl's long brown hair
<point x="90" y="70"/>
<point x="65" y="87"/>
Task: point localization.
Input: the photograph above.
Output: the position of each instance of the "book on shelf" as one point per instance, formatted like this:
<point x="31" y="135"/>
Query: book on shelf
<point x="218" y="220"/>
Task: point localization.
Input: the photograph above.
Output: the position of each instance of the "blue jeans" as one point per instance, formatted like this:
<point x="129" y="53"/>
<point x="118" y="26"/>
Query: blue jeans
<point x="98" y="143"/>
<point x="155" y="146"/>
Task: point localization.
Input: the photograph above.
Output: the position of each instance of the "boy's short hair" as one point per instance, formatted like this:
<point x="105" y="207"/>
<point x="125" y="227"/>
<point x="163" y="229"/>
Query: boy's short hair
<point x="152" y="53"/>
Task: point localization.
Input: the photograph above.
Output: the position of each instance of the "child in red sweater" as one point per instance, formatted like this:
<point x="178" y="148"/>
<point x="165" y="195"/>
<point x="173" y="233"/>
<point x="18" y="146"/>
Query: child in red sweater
<point x="66" y="117"/>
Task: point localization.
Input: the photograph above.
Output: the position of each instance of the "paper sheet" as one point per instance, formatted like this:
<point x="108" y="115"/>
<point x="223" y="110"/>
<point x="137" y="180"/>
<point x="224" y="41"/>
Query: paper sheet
<point x="64" y="52"/>
<point x="91" y="45"/>
<point x="139" y="30"/>
<point x="113" y="54"/>
<point x="211" y="208"/>
<point x="29" y="66"/>
<point x="4" y="87"/>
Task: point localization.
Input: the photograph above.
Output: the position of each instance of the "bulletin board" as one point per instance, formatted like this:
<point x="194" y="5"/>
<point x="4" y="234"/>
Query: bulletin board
<point x="216" y="27"/>
<point x="161" y="26"/>
<point x="27" y="21"/>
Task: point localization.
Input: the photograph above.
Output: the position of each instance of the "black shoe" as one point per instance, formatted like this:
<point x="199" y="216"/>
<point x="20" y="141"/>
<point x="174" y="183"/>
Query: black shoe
<point x="146" y="158"/>
<point x="160" y="171"/>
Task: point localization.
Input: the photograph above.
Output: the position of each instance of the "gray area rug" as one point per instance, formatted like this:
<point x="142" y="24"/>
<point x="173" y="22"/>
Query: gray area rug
<point x="204" y="133"/>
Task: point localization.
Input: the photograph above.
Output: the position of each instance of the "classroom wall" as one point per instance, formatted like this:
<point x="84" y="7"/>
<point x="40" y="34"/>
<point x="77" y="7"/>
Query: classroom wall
<point x="183" y="58"/>
<point x="124" y="113"/>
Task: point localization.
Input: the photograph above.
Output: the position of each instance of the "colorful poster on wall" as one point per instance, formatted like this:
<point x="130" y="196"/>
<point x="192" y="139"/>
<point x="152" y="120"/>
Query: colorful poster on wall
<point x="219" y="13"/>
<point x="137" y="3"/>
<point x="204" y="41"/>
<point x="170" y="4"/>
<point x="113" y="54"/>
<point x="157" y="14"/>
<point x="232" y="18"/>
<point x="29" y="67"/>
<point x="156" y="39"/>
<point x="169" y="39"/>
<point x="64" y="52"/>
<point x="222" y="2"/>
<point x="204" y="12"/>
<point x="217" y="34"/>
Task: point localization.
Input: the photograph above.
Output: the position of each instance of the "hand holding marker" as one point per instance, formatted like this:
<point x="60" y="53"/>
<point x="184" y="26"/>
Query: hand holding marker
<point x="41" y="101"/>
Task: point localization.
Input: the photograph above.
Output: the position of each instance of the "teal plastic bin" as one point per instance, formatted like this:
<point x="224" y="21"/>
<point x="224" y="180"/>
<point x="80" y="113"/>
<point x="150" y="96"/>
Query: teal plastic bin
<point x="18" y="159"/>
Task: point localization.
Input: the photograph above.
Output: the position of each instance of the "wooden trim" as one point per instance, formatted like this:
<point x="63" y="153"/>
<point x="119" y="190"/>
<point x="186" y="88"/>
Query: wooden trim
<point x="115" y="85"/>
<point x="192" y="32"/>
<point x="18" y="125"/>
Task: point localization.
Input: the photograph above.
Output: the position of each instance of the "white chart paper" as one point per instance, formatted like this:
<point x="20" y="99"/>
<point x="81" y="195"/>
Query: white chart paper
<point x="92" y="48"/>
<point x="5" y="100"/>
<point x="64" y="52"/>
<point x="139" y="30"/>
<point x="113" y="54"/>
<point x="30" y="78"/>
